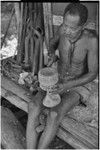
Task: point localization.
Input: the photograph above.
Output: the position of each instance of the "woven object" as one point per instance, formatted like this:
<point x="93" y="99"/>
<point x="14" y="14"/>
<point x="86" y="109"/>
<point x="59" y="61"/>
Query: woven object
<point x="48" y="77"/>
<point x="51" y="100"/>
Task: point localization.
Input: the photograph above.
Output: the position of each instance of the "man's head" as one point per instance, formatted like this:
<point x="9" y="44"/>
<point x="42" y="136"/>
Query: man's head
<point x="75" y="16"/>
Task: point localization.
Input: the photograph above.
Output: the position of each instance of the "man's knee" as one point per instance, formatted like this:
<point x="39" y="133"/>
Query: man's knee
<point x="70" y="97"/>
<point x="52" y="118"/>
<point x="68" y="102"/>
<point x="33" y="108"/>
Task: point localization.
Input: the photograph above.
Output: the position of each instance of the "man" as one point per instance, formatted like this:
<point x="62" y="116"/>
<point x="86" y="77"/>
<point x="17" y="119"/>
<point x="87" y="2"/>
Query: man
<point x="77" y="66"/>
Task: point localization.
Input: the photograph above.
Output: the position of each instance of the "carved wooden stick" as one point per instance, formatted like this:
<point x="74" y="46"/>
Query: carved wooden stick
<point x="36" y="57"/>
<point x="27" y="50"/>
<point x="41" y="62"/>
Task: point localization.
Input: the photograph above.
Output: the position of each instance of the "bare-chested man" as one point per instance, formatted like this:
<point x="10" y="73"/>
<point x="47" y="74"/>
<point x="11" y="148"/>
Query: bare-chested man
<point x="77" y="66"/>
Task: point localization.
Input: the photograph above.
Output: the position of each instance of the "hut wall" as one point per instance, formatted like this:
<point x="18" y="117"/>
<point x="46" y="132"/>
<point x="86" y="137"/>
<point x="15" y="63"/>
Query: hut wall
<point x="58" y="9"/>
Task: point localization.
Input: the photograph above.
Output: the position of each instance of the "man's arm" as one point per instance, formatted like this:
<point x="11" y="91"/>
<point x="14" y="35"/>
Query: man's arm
<point x="52" y="48"/>
<point x="54" y="43"/>
<point x="92" y="67"/>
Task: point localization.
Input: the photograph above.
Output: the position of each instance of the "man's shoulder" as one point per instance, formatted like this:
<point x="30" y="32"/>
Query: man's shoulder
<point x="91" y="39"/>
<point x="89" y="34"/>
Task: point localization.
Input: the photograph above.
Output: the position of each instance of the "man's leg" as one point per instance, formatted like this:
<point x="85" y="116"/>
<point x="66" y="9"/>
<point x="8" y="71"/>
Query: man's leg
<point x="35" y="107"/>
<point x="55" y="117"/>
<point x="32" y="123"/>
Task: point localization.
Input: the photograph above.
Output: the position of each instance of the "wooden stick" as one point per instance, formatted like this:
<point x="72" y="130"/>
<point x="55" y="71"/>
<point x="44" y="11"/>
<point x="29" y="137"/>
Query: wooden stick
<point x="36" y="57"/>
<point x="32" y="50"/>
<point x="41" y="62"/>
<point x="18" y="14"/>
<point x="27" y="50"/>
<point x="50" y="21"/>
<point x="45" y="11"/>
<point x="22" y="33"/>
<point x="19" y="34"/>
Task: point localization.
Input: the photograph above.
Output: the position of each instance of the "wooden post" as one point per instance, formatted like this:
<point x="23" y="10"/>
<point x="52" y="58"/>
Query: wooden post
<point x="50" y="20"/>
<point x="47" y="22"/>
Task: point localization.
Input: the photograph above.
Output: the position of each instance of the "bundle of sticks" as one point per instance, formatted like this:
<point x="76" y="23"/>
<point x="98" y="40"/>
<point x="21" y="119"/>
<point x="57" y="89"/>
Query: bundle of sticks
<point x="30" y="35"/>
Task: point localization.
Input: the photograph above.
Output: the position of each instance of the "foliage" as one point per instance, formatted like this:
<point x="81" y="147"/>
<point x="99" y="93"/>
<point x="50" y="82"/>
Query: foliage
<point x="6" y="7"/>
<point x="6" y="10"/>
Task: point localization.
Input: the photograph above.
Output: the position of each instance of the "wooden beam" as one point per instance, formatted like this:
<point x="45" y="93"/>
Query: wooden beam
<point x="79" y="130"/>
<point x="70" y="139"/>
<point x="16" y="89"/>
<point x="14" y="99"/>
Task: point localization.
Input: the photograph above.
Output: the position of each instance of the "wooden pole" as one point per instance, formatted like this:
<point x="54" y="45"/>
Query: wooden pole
<point x="48" y="22"/>
<point x="41" y="61"/>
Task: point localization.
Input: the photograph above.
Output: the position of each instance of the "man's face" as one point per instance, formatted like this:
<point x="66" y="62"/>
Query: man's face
<point x="71" y="26"/>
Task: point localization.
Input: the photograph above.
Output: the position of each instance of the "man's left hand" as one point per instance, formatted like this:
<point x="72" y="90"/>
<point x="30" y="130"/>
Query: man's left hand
<point x="58" y="89"/>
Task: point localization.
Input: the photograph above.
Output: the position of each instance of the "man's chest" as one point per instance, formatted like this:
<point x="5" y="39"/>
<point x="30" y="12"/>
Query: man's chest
<point x="79" y="50"/>
<point x="76" y="50"/>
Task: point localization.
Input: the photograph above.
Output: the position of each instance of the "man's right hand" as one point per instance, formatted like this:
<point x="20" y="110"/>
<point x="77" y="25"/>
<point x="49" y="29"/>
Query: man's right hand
<point x="51" y="60"/>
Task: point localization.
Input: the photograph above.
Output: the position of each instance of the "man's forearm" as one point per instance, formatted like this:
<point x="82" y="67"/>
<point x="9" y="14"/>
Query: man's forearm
<point x="52" y="47"/>
<point x="54" y="42"/>
<point x="80" y="81"/>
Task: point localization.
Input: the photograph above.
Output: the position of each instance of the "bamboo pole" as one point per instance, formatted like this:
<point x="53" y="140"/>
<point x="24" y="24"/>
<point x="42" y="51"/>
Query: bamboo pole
<point x="36" y="57"/>
<point x="19" y="8"/>
<point x="18" y="13"/>
<point x="41" y="61"/>
<point x="50" y="20"/>
<point x="45" y="11"/>
<point x="22" y="33"/>
<point x="38" y="34"/>
<point x="31" y="50"/>
<point x="26" y="50"/>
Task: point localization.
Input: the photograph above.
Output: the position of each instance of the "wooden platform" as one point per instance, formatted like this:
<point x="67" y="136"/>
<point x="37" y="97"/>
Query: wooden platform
<point x="76" y="134"/>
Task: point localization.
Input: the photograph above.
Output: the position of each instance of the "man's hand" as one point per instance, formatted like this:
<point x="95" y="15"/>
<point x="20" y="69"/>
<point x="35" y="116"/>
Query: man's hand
<point x="52" y="59"/>
<point x="58" y="89"/>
